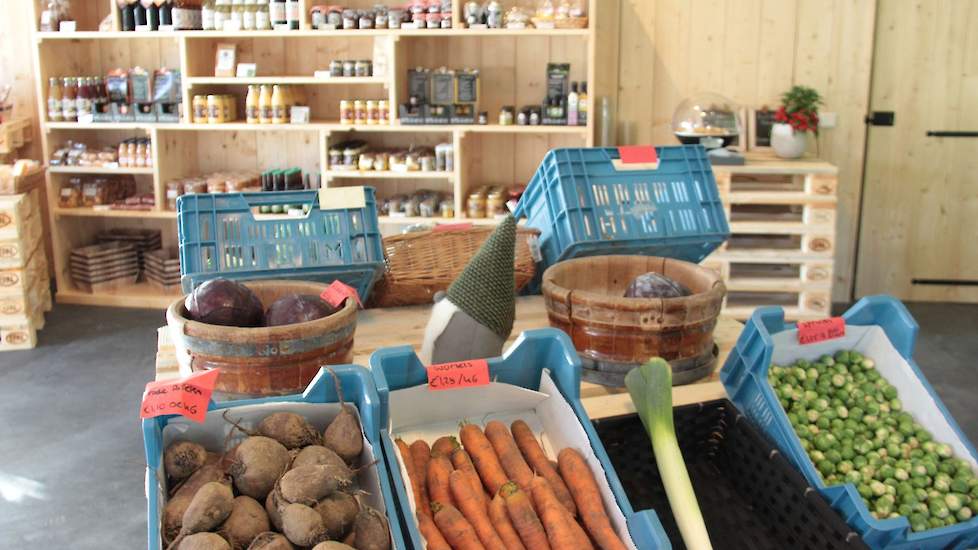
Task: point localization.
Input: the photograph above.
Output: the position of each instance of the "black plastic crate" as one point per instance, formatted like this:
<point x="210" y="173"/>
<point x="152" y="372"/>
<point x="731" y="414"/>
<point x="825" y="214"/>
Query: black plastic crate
<point x="750" y="496"/>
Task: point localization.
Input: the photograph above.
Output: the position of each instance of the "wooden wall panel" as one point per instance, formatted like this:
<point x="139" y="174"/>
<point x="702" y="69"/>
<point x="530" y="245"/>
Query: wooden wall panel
<point x="750" y="51"/>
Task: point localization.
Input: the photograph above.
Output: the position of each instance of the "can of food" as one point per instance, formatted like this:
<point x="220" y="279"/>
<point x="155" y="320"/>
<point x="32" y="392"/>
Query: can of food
<point x="200" y="109"/>
<point x="359" y="112"/>
<point x="364" y="67"/>
<point x="214" y="109"/>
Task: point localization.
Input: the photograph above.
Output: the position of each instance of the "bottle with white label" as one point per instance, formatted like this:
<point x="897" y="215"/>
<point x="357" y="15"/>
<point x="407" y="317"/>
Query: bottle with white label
<point x="207" y="15"/>
<point x="54" y="100"/>
<point x="248" y="15"/>
<point x="292" y="14"/>
<point x="236" y="18"/>
<point x="277" y="13"/>
<point x="572" y="105"/>
<point x="222" y="13"/>
<point x="262" y="20"/>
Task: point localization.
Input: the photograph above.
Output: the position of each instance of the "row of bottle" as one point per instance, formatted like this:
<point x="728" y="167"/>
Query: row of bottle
<point x="249" y="15"/>
<point x="265" y="104"/>
<point x="360" y="111"/>
<point x="72" y="97"/>
<point x="153" y="14"/>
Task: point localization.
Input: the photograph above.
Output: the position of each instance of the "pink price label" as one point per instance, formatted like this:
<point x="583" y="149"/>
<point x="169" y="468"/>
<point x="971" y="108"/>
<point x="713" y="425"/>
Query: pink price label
<point x="188" y="397"/>
<point x="638" y="154"/>
<point x="461" y="374"/>
<point x="810" y="332"/>
<point x="337" y="292"/>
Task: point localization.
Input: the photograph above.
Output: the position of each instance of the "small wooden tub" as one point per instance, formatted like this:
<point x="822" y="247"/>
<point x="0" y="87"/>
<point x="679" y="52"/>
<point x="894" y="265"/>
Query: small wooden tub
<point x="585" y="299"/>
<point x="264" y="361"/>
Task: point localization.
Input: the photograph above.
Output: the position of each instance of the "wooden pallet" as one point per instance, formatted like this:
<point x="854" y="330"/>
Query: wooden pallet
<point x="771" y="274"/>
<point x="14" y="134"/>
<point x="799" y="305"/>
<point x="784" y="244"/>
<point x="779" y="188"/>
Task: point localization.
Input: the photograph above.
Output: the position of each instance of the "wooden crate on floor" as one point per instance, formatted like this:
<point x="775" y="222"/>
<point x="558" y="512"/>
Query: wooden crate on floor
<point x="20" y="336"/>
<point x="16" y="211"/>
<point x="782" y="242"/>
<point x="15" y="251"/>
<point x="17" y="281"/>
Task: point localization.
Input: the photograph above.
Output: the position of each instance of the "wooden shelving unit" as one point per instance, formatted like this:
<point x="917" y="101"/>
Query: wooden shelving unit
<point x="512" y="65"/>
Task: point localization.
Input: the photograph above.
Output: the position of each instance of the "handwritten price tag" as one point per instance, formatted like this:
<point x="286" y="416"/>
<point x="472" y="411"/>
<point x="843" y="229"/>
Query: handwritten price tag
<point x="188" y="396"/>
<point x="463" y="374"/>
<point x="810" y="332"/>
<point x="337" y="292"/>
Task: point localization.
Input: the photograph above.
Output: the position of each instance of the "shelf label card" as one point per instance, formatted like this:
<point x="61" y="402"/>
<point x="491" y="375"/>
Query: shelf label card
<point x="461" y="374"/>
<point x="442" y="227"/>
<point x="188" y="396"/>
<point x="342" y="198"/>
<point x="638" y="154"/>
<point x="337" y="292"/>
<point x="810" y="332"/>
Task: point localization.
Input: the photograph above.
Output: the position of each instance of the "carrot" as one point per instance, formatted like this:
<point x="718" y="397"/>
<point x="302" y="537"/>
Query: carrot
<point x="418" y="456"/>
<point x="472" y="505"/>
<point x="524" y="519"/>
<point x="504" y="527"/>
<point x="445" y="446"/>
<point x="433" y="538"/>
<point x="439" y="470"/>
<point x="509" y="455"/>
<point x="584" y="488"/>
<point x="463" y="464"/>
<point x="457" y="531"/>
<point x="562" y="530"/>
<point x="484" y="457"/>
<point x="420" y="497"/>
<point x="534" y="455"/>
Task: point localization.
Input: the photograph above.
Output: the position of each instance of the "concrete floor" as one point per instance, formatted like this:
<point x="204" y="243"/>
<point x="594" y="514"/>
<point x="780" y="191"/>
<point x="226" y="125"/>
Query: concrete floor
<point x="71" y="455"/>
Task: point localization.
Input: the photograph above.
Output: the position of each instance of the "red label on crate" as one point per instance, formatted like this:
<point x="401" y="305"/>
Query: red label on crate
<point x="188" y="396"/>
<point x="451" y="227"/>
<point x="462" y="374"/>
<point x="337" y="292"/>
<point x="638" y="154"/>
<point x="810" y="332"/>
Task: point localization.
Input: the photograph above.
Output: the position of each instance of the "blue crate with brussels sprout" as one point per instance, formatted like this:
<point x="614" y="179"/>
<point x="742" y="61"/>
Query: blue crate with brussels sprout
<point x="863" y="425"/>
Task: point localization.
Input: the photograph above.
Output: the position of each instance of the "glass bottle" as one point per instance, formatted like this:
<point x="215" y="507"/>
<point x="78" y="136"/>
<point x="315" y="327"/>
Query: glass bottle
<point x="186" y="14"/>
<point x="279" y="107"/>
<point x="266" y="113"/>
<point x="127" y="16"/>
<point x="55" y="113"/>
<point x="277" y="13"/>
<point x="248" y="15"/>
<point x="252" y="109"/>
<point x="152" y="14"/>
<point x="166" y="13"/>
<point x="207" y="15"/>
<point x="139" y="14"/>
<point x="263" y="20"/>
<point x="237" y="16"/>
<point x="68" y="102"/>
<point x="582" y="105"/>
<point x="222" y="13"/>
<point x="83" y="101"/>
<point x="292" y="14"/>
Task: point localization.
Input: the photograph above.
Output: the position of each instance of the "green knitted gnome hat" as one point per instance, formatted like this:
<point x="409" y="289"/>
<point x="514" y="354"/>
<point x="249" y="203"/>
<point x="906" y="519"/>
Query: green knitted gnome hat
<point x="486" y="290"/>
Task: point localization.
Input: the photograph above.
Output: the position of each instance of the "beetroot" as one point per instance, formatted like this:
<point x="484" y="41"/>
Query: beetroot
<point x="296" y="308"/>
<point x="224" y="302"/>
<point x="654" y="285"/>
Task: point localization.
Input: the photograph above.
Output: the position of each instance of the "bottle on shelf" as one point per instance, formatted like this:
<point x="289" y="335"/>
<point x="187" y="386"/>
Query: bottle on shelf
<point x="152" y="14"/>
<point x="236" y="19"/>
<point x="207" y="15"/>
<point x="279" y="106"/>
<point x="83" y="101"/>
<point x="252" y="109"/>
<point x="139" y="14"/>
<point x="248" y="15"/>
<point x="166" y="13"/>
<point x="55" y="94"/>
<point x="69" y="107"/>
<point x="572" y="105"/>
<point x="222" y="14"/>
<point x="263" y="21"/>
<point x="127" y="16"/>
<point x="292" y="14"/>
<point x="277" y="14"/>
<point x="582" y="105"/>
<point x="186" y="14"/>
<point x="266" y="112"/>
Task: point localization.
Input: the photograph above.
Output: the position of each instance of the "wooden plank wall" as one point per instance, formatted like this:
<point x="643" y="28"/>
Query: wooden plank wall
<point x="750" y="51"/>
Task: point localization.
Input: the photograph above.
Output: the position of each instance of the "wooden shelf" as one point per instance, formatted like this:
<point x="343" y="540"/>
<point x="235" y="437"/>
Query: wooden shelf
<point x="369" y="174"/>
<point x="307" y="33"/>
<point x="105" y="125"/>
<point x="99" y="170"/>
<point x="106" y="213"/>
<point x="139" y="295"/>
<point x="295" y="80"/>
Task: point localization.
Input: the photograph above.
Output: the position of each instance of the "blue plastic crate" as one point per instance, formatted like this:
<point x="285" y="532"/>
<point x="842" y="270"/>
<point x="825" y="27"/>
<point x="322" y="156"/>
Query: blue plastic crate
<point x="584" y="206"/>
<point x="744" y="376"/>
<point x="358" y="389"/>
<point x="398" y="368"/>
<point x="220" y="237"/>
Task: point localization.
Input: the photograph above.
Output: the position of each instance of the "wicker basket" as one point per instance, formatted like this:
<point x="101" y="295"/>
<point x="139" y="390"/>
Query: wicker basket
<point x="585" y="299"/>
<point x="420" y="264"/>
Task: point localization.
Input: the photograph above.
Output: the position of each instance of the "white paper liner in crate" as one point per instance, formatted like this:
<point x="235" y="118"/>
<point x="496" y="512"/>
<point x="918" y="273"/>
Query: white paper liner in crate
<point x="418" y="413"/>
<point x="872" y="342"/>
<point x="212" y="432"/>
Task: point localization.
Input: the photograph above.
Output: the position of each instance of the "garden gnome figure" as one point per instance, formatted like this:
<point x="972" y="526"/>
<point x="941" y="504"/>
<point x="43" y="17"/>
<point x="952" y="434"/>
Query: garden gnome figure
<point x="474" y="318"/>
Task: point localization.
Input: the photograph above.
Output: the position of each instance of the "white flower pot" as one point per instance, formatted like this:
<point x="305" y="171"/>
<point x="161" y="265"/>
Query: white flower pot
<point x="787" y="143"/>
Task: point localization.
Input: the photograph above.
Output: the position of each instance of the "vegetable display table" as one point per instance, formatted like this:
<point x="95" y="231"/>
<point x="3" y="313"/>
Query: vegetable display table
<point x="385" y="327"/>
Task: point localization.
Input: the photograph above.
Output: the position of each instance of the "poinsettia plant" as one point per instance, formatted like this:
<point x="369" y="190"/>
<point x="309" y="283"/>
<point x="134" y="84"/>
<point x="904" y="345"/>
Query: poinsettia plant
<point x="799" y="108"/>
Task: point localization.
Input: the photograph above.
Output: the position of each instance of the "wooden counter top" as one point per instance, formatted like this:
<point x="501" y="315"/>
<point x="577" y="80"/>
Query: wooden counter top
<point x="379" y="328"/>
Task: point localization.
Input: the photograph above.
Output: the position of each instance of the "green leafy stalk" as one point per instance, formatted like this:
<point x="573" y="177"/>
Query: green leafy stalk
<point x="651" y="389"/>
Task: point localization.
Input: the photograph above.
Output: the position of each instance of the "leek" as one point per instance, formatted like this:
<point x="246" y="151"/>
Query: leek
<point x="651" y="389"/>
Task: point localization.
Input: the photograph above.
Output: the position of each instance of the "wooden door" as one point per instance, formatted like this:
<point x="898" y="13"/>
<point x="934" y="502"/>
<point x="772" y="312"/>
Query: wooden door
<point x="919" y="230"/>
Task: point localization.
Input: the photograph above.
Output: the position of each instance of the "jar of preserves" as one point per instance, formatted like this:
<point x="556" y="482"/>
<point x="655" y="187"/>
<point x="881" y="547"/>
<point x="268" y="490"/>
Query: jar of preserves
<point x="373" y="115"/>
<point x="346" y="112"/>
<point x="477" y="205"/>
<point x="214" y="109"/>
<point x="349" y="68"/>
<point x="506" y="116"/>
<point x="362" y="68"/>
<point x="200" y="109"/>
<point x="335" y="157"/>
<point x="173" y="190"/>
<point x="336" y="68"/>
<point x="447" y="209"/>
<point x="495" y="203"/>
<point x="383" y="112"/>
<point x="359" y="112"/>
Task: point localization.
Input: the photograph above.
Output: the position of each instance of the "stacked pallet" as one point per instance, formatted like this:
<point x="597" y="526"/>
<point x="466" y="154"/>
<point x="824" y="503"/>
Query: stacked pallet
<point x="782" y="225"/>
<point x="25" y="287"/>
<point x="162" y="268"/>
